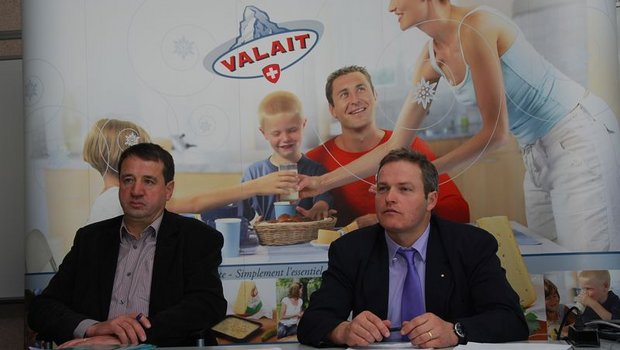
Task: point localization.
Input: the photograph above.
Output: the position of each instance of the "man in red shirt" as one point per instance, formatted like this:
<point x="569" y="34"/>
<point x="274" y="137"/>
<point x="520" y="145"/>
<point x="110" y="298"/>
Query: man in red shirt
<point x="352" y="99"/>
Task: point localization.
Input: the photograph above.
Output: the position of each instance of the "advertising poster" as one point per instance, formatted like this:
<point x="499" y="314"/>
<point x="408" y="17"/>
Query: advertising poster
<point x="191" y="75"/>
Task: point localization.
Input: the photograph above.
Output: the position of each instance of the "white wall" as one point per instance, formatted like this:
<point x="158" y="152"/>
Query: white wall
<point x="12" y="181"/>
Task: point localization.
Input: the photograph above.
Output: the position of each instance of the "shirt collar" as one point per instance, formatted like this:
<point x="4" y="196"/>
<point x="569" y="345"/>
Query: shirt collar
<point x="420" y="244"/>
<point x="153" y="228"/>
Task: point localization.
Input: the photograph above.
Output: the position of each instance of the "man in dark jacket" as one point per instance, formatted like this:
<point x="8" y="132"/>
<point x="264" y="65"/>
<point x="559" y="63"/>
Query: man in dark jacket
<point x="148" y="276"/>
<point x="464" y="291"/>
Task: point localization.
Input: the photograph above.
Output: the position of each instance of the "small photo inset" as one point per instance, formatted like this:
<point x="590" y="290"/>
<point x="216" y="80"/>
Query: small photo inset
<point x="292" y="297"/>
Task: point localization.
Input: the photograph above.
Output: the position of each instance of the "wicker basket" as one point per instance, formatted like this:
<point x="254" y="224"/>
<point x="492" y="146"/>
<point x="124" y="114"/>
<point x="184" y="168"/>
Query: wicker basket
<point x="285" y="233"/>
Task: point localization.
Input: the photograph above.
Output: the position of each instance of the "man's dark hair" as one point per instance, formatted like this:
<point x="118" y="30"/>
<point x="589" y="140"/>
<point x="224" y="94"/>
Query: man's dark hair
<point x="152" y="152"/>
<point x="329" y="86"/>
<point x="430" y="178"/>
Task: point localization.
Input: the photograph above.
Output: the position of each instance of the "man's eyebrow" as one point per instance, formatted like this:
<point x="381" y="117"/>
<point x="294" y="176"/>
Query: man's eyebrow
<point x="396" y="184"/>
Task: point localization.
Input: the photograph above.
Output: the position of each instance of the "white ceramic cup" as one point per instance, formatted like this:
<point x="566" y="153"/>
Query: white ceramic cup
<point x="230" y="228"/>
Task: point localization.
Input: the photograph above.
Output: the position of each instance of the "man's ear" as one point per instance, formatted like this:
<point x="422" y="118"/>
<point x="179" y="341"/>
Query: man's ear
<point x="331" y="111"/>
<point x="169" y="189"/>
<point x="431" y="200"/>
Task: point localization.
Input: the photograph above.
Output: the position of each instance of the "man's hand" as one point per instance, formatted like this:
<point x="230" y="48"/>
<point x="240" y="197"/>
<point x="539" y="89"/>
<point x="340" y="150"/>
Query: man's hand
<point x="97" y="340"/>
<point x="278" y="182"/>
<point x="309" y="186"/>
<point x="129" y="328"/>
<point x="364" y="329"/>
<point x="430" y="331"/>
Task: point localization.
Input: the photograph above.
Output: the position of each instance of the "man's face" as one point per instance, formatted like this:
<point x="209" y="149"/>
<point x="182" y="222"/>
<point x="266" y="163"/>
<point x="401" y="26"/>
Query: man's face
<point x="284" y="134"/>
<point x="143" y="191"/>
<point x="400" y="202"/>
<point x="354" y="101"/>
<point x="594" y="289"/>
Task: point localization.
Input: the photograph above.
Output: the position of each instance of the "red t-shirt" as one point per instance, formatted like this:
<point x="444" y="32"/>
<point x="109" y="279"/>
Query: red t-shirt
<point x="353" y="200"/>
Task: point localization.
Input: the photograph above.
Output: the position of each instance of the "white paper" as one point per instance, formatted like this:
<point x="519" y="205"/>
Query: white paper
<point x="515" y="346"/>
<point x="388" y="345"/>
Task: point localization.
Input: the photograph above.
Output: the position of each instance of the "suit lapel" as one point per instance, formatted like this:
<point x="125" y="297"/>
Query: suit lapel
<point x="109" y="246"/>
<point x="164" y="258"/>
<point x="439" y="280"/>
<point x="375" y="283"/>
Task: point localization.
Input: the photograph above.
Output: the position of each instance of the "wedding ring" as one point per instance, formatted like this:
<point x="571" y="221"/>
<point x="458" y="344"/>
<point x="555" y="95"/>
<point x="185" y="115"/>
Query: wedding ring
<point x="430" y="335"/>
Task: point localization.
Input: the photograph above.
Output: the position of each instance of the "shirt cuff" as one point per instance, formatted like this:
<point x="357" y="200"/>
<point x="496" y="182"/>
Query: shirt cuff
<point x="80" y="330"/>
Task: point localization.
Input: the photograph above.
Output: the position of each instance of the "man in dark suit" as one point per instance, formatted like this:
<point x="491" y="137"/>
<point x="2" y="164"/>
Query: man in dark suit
<point x="146" y="276"/>
<point x="464" y="289"/>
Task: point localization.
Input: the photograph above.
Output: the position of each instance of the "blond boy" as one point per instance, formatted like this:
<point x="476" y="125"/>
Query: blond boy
<point x="600" y="302"/>
<point x="281" y="122"/>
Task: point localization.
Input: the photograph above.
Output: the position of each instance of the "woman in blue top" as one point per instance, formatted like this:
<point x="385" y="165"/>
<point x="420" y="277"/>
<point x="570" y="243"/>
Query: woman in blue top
<point x="569" y="137"/>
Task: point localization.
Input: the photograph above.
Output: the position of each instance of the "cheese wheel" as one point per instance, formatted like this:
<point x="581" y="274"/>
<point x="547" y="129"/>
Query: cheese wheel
<point x="510" y="257"/>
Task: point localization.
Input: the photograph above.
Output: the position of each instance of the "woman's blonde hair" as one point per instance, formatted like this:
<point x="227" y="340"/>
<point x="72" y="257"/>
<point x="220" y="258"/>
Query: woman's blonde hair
<point x="294" y="291"/>
<point x="107" y="139"/>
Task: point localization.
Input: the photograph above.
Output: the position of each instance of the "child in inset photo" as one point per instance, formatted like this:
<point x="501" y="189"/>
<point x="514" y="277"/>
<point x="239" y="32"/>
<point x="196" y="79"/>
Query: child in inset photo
<point x="555" y="310"/>
<point x="600" y="302"/>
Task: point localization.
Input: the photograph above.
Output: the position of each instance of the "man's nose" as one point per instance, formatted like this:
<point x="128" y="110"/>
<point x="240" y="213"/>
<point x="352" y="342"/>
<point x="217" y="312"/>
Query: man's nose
<point x="137" y="188"/>
<point x="390" y="196"/>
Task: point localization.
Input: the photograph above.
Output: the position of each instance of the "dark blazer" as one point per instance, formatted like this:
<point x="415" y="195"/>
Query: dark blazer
<point x="186" y="290"/>
<point x="464" y="282"/>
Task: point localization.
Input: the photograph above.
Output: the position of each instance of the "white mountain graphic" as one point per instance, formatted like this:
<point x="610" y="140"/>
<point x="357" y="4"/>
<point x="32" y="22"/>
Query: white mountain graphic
<point x="255" y="24"/>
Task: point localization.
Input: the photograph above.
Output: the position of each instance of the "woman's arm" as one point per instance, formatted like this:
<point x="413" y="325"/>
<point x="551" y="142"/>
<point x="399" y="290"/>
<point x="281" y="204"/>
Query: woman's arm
<point x="274" y="183"/>
<point x="409" y="120"/>
<point x="481" y="35"/>
<point x="283" y="310"/>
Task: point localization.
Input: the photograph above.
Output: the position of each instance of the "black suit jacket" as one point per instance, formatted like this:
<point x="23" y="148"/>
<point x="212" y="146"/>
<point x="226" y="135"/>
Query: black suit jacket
<point x="186" y="290"/>
<point x="464" y="282"/>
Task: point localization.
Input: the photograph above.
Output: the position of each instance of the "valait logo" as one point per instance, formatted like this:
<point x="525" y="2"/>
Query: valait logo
<point x="263" y="48"/>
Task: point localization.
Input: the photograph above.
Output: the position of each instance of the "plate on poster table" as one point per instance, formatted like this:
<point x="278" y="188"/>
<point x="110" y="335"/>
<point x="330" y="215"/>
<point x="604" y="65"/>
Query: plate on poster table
<point x="316" y="244"/>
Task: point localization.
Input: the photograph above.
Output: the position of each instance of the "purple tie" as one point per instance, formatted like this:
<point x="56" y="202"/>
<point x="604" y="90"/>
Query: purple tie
<point x="412" y="300"/>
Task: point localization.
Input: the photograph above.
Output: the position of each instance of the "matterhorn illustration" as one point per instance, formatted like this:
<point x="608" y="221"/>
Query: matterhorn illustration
<point x="255" y="24"/>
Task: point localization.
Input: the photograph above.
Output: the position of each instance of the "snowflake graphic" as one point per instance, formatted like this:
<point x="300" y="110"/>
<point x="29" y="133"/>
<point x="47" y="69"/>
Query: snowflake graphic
<point x="424" y="92"/>
<point x="183" y="47"/>
<point x="31" y="90"/>
<point x="206" y="125"/>
<point x="132" y="139"/>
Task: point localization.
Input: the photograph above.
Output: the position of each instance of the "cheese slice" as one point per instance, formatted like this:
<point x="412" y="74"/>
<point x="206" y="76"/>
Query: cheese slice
<point x="327" y="236"/>
<point x="510" y="257"/>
